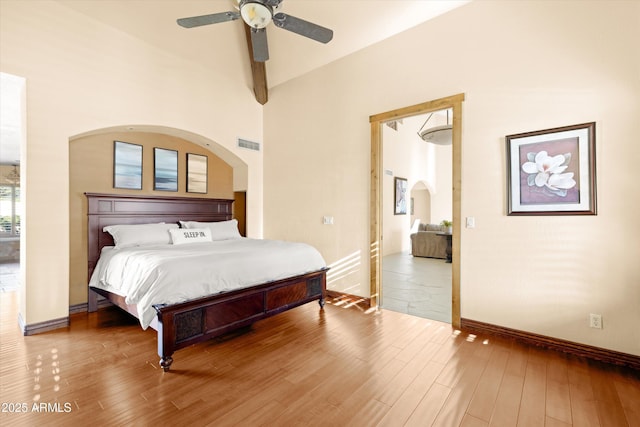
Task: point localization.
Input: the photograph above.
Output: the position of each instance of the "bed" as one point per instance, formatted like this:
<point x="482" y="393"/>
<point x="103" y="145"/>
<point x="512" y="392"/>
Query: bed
<point x="182" y="324"/>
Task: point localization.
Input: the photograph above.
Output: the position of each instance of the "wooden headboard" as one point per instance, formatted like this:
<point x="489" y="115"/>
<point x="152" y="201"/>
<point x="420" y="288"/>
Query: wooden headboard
<point x="111" y="209"/>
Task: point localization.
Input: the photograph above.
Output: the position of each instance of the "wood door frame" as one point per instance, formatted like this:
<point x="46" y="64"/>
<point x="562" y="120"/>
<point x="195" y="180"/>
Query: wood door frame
<point x="376" y="121"/>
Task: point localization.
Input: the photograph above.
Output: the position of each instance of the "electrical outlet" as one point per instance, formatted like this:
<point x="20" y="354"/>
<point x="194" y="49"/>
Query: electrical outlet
<point x="595" y="321"/>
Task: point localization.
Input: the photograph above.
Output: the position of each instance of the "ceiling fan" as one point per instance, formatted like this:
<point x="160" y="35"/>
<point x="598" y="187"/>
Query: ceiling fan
<point x="257" y="14"/>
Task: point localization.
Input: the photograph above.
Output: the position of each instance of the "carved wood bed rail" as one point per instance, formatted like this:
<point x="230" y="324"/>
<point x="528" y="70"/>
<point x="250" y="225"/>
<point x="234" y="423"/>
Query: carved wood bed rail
<point x="184" y="324"/>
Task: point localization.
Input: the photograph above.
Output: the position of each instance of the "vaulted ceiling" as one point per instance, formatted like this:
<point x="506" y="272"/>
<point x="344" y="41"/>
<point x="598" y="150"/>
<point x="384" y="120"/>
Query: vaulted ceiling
<point x="223" y="47"/>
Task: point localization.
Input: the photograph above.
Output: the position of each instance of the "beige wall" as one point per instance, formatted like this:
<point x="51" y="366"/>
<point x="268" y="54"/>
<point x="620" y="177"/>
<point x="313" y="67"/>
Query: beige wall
<point x="83" y="76"/>
<point x="522" y="66"/>
<point x="441" y="196"/>
<point x="91" y="171"/>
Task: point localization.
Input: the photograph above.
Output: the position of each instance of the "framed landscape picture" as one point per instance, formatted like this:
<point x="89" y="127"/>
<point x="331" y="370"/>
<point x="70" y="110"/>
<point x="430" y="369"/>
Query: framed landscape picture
<point x="196" y="173"/>
<point x="165" y="171"/>
<point x="127" y="165"/>
<point x="552" y="171"/>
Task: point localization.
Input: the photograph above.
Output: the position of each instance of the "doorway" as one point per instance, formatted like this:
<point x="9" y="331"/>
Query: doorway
<point x="12" y="134"/>
<point x="455" y="104"/>
<point x="416" y="279"/>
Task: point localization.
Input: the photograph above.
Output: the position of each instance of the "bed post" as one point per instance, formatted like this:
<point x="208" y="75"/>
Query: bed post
<point x="165" y="353"/>
<point x="92" y="301"/>
<point x="165" y="339"/>
<point x="165" y="363"/>
<point x="323" y="288"/>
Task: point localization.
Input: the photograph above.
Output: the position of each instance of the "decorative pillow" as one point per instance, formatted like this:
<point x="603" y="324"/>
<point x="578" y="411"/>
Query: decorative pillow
<point x="190" y="235"/>
<point x="140" y="234"/>
<point x="222" y="230"/>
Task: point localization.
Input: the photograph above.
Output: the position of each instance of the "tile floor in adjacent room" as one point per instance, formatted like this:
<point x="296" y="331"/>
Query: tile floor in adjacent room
<point x="417" y="286"/>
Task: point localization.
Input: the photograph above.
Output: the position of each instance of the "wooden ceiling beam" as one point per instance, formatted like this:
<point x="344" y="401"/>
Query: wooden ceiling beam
<point x="258" y="71"/>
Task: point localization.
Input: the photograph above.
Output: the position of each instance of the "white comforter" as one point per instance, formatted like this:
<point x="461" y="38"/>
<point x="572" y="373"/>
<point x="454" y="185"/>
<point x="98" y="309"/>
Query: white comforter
<point x="168" y="274"/>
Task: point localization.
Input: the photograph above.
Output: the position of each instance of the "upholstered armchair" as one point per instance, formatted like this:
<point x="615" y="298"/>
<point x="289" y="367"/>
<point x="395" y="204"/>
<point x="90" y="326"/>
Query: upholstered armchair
<point x="426" y="243"/>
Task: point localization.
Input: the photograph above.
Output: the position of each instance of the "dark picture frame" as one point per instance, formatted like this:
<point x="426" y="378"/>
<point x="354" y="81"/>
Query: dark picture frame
<point x="552" y="171"/>
<point x="127" y="165"/>
<point x="165" y="169"/>
<point x="197" y="165"/>
<point x="399" y="196"/>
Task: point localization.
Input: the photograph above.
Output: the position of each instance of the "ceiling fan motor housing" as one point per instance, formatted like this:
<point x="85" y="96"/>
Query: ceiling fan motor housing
<point x="256" y="14"/>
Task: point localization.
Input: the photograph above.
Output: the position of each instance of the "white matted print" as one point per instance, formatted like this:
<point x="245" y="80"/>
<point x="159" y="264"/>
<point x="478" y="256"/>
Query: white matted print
<point x="552" y="171"/>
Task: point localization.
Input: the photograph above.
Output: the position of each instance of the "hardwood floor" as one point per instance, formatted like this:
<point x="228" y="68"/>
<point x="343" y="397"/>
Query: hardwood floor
<point x="343" y="366"/>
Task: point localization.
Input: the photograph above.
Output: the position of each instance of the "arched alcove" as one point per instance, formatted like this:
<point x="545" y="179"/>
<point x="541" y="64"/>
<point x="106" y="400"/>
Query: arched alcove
<point x="91" y="168"/>
<point x="240" y="169"/>
<point x="421" y="202"/>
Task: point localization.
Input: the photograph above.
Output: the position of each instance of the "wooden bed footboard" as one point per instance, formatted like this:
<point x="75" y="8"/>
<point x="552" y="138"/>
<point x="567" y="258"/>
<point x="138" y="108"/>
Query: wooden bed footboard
<point x="181" y="325"/>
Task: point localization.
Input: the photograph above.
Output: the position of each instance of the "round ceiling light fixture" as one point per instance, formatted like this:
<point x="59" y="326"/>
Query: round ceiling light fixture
<point x="255" y="14"/>
<point x="439" y="135"/>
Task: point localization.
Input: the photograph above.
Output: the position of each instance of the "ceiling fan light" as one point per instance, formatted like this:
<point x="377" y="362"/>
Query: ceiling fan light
<point x="256" y="15"/>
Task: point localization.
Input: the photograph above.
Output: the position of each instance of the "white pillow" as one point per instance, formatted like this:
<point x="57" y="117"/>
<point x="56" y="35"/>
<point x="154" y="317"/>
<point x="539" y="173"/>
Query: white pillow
<point x="190" y="235"/>
<point x="221" y="230"/>
<point x="140" y="234"/>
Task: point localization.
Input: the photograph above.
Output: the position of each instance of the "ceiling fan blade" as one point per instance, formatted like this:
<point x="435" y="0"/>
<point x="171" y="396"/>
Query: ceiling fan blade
<point x="215" y="18"/>
<point x="259" y="43"/>
<point x="302" y="27"/>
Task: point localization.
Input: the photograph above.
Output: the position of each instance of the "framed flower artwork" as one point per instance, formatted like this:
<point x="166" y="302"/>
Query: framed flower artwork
<point x="552" y="171"/>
